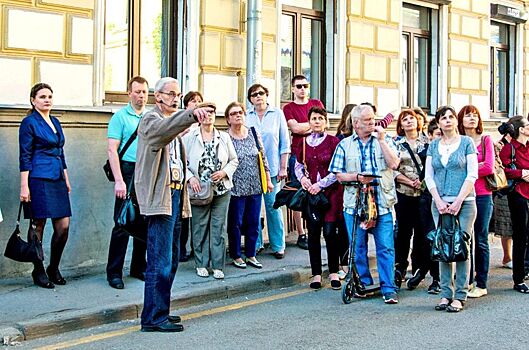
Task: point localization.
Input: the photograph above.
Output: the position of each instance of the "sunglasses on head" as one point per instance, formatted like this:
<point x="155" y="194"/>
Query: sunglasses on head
<point x="258" y="93"/>
<point x="299" y="86"/>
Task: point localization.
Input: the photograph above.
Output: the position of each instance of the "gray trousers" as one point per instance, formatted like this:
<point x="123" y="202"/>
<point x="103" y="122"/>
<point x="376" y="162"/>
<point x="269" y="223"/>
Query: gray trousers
<point x="457" y="289"/>
<point x="208" y="229"/>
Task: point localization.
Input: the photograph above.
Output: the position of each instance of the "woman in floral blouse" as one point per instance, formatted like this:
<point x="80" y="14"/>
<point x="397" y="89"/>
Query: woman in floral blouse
<point x="411" y="146"/>
<point x="211" y="159"/>
<point x="246" y="195"/>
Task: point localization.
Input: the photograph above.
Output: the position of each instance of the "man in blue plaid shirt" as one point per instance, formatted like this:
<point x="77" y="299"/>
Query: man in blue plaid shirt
<point x="370" y="151"/>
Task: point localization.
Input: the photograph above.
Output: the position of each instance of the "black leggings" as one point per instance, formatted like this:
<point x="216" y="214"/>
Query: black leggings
<point x="331" y="238"/>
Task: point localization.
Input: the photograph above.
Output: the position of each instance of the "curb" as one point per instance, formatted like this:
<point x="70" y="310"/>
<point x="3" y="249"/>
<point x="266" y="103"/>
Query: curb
<point x="72" y="320"/>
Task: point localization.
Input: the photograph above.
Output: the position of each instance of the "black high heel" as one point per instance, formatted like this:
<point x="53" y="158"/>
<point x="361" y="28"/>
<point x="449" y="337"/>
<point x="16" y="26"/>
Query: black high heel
<point x="41" y="279"/>
<point x="55" y="276"/>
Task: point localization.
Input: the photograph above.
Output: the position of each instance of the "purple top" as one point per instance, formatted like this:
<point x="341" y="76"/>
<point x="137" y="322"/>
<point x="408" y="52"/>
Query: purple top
<point x="314" y="140"/>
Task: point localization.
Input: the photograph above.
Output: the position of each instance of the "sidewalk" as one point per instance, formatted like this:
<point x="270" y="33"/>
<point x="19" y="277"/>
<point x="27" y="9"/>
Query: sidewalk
<point x="28" y="312"/>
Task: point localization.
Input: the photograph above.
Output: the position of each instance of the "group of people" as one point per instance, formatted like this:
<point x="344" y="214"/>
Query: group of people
<point x="196" y="183"/>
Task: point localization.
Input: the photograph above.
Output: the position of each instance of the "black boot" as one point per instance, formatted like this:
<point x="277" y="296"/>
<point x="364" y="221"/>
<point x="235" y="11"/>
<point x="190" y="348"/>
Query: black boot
<point x="39" y="276"/>
<point x="58" y="241"/>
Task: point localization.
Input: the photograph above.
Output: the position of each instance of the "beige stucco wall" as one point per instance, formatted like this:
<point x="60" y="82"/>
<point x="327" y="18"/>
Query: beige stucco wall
<point x="222" y="54"/>
<point x="372" y="58"/>
<point x="47" y="40"/>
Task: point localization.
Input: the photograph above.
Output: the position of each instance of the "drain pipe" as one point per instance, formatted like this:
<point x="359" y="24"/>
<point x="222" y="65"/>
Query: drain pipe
<point x="254" y="42"/>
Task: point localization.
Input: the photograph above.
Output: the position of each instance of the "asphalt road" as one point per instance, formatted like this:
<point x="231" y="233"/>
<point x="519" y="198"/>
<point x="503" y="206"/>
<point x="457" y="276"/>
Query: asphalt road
<point x="299" y="318"/>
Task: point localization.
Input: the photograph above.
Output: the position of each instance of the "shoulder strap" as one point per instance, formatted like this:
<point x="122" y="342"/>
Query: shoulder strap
<point x="254" y="133"/>
<point x="408" y="148"/>
<point x="129" y="142"/>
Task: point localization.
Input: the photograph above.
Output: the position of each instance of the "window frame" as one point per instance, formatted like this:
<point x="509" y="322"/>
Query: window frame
<point x="508" y="49"/>
<point x="412" y="33"/>
<point x="299" y="13"/>
<point x="172" y="8"/>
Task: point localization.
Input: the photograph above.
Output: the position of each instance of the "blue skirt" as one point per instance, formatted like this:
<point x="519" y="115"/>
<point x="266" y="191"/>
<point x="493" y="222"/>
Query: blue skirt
<point x="49" y="199"/>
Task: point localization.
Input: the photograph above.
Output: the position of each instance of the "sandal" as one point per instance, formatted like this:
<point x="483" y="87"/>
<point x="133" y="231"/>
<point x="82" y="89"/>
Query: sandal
<point x="521" y="287"/>
<point x="442" y="306"/>
<point x="218" y="274"/>
<point x="454" y="308"/>
<point x="315" y="283"/>
<point x="202" y="272"/>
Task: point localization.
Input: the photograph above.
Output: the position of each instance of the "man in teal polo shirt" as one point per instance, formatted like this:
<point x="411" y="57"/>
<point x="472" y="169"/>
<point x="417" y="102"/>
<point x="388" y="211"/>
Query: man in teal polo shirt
<point x="120" y="128"/>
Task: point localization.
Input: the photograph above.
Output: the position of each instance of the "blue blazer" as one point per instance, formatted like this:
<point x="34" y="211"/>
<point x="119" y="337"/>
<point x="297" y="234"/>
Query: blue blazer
<point x="41" y="150"/>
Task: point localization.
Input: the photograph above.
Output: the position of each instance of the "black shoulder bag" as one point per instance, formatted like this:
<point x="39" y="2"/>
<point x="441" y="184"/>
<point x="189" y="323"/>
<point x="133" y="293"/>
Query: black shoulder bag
<point x="19" y="250"/>
<point x="106" y="168"/>
<point x="448" y="241"/>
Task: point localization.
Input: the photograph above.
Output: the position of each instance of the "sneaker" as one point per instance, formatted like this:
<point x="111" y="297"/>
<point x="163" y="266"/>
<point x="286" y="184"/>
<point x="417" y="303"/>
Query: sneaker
<point x="391" y="298"/>
<point x="477" y="292"/>
<point x="303" y="242"/>
<point x="415" y="280"/>
<point x="507" y="265"/>
<point x="341" y="274"/>
<point x="434" y="288"/>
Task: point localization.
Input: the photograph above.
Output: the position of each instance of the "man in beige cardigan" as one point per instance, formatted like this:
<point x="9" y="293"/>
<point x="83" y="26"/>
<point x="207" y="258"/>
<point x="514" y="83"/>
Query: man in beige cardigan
<point x="159" y="180"/>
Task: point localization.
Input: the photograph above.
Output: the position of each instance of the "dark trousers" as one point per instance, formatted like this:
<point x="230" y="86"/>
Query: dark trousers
<point x="331" y="239"/>
<point x="479" y="246"/>
<point x="184" y="236"/>
<point x="520" y="231"/>
<point x="163" y="245"/>
<point x="426" y="218"/>
<point x="407" y="209"/>
<point x="343" y="243"/>
<point x="244" y="216"/>
<point x="120" y="238"/>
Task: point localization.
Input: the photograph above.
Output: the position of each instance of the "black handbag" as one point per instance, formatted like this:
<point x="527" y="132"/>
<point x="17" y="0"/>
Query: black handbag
<point x="106" y="168"/>
<point x="129" y="217"/>
<point x="19" y="250"/>
<point x="449" y="242"/>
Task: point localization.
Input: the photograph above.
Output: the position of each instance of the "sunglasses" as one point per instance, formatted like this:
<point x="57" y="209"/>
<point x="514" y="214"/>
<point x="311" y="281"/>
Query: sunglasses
<point x="234" y="113"/>
<point x="299" y="86"/>
<point x="258" y="93"/>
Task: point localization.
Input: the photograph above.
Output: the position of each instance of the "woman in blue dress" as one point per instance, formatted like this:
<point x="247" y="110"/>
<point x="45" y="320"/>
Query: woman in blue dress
<point x="44" y="184"/>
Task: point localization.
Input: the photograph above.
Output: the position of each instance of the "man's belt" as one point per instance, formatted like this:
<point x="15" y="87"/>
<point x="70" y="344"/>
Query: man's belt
<point x="176" y="185"/>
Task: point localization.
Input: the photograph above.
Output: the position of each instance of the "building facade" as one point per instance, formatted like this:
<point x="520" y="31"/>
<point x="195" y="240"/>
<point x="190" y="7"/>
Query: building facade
<point x="394" y="53"/>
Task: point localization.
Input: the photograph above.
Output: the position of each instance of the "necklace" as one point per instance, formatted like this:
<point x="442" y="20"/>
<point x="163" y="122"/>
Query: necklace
<point x="449" y="144"/>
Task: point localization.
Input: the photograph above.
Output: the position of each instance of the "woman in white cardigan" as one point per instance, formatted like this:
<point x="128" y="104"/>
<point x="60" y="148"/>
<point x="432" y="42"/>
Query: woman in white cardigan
<point x="211" y="159"/>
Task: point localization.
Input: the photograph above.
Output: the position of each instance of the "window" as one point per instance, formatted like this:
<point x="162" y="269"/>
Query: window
<point x="417" y="58"/>
<point x="302" y="46"/>
<point x="499" y="73"/>
<point x="137" y="33"/>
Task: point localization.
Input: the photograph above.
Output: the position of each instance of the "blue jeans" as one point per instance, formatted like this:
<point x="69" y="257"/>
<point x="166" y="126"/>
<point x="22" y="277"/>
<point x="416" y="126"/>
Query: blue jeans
<point x="384" y="241"/>
<point x="479" y="247"/>
<point x="274" y="220"/>
<point x="457" y="289"/>
<point x="163" y="242"/>
<point x="244" y="216"/>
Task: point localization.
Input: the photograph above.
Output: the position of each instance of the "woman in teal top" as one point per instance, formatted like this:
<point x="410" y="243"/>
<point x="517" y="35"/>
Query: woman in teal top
<point x="451" y="170"/>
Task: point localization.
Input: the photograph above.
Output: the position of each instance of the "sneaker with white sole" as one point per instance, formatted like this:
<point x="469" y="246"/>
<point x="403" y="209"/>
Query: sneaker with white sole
<point x="477" y="292"/>
<point x="218" y="274"/>
<point x="391" y="298"/>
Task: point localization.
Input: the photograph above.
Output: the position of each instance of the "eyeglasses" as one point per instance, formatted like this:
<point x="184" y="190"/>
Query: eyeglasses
<point x="234" y="113"/>
<point x="258" y="93"/>
<point x="172" y="94"/>
<point x="299" y="86"/>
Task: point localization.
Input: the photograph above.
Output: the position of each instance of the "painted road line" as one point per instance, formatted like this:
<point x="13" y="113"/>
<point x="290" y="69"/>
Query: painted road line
<point x="217" y="310"/>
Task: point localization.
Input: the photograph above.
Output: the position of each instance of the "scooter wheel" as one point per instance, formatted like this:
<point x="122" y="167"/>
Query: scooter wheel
<point x="347" y="292"/>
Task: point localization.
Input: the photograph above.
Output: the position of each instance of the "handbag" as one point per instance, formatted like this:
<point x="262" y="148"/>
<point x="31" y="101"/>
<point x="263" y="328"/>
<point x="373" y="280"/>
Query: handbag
<point x="448" y="240"/>
<point x="19" y="250"/>
<point x="203" y="197"/>
<point x="106" y="168"/>
<point x="260" y="162"/>
<point x="129" y="217"/>
<point x="497" y="180"/>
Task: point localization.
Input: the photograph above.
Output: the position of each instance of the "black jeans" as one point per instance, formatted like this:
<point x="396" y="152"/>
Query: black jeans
<point x="520" y="230"/>
<point x="407" y="209"/>
<point x="120" y="238"/>
<point x="331" y="239"/>
<point x="425" y="212"/>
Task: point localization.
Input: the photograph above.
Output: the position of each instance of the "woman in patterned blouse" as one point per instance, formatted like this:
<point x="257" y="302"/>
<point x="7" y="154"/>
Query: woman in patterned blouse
<point x="246" y="195"/>
<point x="211" y="159"/>
<point x="411" y="146"/>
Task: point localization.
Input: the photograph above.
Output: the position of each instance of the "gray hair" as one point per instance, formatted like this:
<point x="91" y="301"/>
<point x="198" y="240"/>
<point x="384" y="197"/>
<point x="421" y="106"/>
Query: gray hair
<point x="160" y="84"/>
<point x="357" y="112"/>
